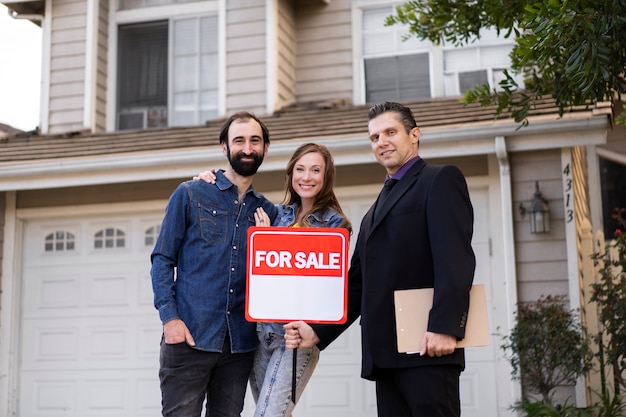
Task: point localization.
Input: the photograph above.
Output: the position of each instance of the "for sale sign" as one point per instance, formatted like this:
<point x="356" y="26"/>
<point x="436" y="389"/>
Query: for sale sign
<point x="297" y="274"/>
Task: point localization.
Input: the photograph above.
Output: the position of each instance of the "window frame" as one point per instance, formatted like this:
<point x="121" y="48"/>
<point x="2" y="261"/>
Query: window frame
<point x="436" y="56"/>
<point x="170" y="13"/>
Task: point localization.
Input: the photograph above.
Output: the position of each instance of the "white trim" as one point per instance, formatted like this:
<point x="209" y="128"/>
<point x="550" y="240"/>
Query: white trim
<point x="38" y="213"/>
<point x="111" y="104"/>
<point x="171" y="22"/>
<point x="46" y="47"/>
<point x="91" y="65"/>
<point x="613" y="156"/>
<point x="221" y="58"/>
<point x="569" y="210"/>
<point x="271" y="54"/>
<point x="507" y="320"/>
<point x="9" y="319"/>
<point x="594" y="153"/>
<point x="165" y="12"/>
<point x="358" y="88"/>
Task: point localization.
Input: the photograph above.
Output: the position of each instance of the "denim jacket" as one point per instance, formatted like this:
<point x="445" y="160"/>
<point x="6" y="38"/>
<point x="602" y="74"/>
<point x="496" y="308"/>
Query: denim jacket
<point x="199" y="262"/>
<point x="286" y="216"/>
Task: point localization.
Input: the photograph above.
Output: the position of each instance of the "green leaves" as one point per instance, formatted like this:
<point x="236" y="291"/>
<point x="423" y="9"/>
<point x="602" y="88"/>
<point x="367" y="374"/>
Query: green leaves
<point x="546" y="347"/>
<point x="573" y="51"/>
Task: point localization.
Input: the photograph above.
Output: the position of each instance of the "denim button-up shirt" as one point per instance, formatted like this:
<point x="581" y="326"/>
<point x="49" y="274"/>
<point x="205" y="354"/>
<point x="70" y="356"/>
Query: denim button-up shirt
<point x="286" y="217"/>
<point x="199" y="262"/>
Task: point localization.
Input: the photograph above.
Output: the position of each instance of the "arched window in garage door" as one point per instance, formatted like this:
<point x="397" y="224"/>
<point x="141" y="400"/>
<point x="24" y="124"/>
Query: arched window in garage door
<point x="151" y="234"/>
<point x="60" y="241"/>
<point x="109" y="238"/>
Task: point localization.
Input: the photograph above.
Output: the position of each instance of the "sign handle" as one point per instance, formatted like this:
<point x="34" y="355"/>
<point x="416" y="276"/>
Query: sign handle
<point x="293" y="375"/>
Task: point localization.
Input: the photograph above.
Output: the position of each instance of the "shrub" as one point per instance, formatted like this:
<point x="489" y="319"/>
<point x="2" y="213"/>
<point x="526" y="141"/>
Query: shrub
<point x="546" y="348"/>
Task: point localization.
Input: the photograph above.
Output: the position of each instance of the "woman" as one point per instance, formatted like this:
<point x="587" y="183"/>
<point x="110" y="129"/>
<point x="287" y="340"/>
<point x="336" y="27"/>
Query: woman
<point x="309" y="201"/>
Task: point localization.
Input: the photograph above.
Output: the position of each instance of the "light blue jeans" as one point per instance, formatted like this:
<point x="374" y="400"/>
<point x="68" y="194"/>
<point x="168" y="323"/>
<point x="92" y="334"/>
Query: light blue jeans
<point x="271" y="378"/>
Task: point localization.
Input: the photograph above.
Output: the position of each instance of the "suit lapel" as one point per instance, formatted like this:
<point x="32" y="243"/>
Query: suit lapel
<point x="398" y="191"/>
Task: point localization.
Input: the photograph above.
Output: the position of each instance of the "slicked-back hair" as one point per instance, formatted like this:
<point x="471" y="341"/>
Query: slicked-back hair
<point x="243" y="116"/>
<point x="405" y="115"/>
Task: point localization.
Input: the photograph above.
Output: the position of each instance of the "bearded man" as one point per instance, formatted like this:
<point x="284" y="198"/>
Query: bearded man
<point x="198" y="278"/>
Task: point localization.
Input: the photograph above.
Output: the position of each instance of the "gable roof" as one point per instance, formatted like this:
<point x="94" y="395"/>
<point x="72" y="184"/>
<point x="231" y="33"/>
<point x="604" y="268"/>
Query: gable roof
<point x="287" y="124"/>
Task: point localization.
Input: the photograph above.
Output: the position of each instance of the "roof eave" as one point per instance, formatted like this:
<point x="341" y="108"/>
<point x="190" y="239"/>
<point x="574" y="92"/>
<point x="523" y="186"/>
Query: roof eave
<point x="545" y="132"/>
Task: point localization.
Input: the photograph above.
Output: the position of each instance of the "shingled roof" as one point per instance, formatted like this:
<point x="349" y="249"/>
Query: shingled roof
<point x="283" y="125"/>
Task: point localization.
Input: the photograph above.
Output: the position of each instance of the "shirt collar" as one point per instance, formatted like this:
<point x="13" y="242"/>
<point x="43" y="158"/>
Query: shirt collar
<point x="403" y="169"/>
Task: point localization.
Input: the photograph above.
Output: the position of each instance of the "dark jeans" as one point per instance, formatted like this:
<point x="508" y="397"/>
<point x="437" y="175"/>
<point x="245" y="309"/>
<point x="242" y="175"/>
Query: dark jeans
<point x="189" y="376"/>
<point x="426" y="391"/>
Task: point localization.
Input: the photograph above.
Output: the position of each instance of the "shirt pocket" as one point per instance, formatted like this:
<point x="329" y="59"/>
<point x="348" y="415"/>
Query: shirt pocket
<point x="213" y="223"/>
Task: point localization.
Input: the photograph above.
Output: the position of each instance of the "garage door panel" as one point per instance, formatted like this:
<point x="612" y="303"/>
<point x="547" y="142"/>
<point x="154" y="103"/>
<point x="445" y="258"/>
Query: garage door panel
<point x="123" y="290"/>
<point x="346" y="349"/>
<point x="107" y="393"/>
<point x="145" y="296"/>
<point x="51" y="293"/>
<point x="478" y="389"/>
<point x="49" y="347"/>
<point x="91" y="343"/>
<point x="338" y="391"/>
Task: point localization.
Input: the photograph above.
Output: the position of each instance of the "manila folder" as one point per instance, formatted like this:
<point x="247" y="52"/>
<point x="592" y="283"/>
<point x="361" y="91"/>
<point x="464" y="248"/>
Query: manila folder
<point x="413" y="308"/>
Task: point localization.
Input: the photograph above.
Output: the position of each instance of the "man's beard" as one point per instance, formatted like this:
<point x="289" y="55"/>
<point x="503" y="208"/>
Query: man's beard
<point x="245" y="169"/>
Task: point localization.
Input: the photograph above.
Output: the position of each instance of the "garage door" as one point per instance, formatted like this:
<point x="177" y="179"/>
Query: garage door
<point x="89" y="332"/>
<point x="90" y="335"/>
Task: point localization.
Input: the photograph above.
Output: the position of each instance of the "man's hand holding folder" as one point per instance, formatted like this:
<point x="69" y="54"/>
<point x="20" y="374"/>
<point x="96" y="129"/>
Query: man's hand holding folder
<point x="413" y="307"/>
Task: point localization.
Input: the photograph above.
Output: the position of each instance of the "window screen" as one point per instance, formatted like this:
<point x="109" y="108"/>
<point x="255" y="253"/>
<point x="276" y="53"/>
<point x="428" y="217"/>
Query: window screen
<point x="397" y="78"/>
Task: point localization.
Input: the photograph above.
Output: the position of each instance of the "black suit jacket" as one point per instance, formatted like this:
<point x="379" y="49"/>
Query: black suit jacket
<point x="421" y="238"/>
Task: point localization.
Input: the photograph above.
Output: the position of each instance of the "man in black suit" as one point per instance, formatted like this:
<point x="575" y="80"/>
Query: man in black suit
<point x="417" y="236"/>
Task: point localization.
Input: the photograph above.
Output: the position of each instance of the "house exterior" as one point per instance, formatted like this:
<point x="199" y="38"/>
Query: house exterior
<point x="133" y="95"/>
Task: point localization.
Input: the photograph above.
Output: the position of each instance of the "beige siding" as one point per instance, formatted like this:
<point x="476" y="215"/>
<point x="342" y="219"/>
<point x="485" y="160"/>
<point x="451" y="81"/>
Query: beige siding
<point x="245" y="48"/>
<point x="541" y="259"/>
<point x="286" y="60"/>
<point x="67" y="66"/>
<point x="99" y="122"/>
<point x="324" y="51"/>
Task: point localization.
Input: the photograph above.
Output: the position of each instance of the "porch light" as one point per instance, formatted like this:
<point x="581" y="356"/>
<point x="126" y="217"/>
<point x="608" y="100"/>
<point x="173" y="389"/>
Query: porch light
<point x="539" y="212"/>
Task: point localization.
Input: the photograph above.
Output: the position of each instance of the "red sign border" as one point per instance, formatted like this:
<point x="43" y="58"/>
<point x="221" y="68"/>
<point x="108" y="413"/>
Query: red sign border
<point x="254" y="230"/>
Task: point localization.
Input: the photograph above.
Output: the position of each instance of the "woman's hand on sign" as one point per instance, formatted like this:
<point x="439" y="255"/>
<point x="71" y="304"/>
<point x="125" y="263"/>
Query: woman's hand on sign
<point x="299" y="334"/>
<point x="261" y="218"/>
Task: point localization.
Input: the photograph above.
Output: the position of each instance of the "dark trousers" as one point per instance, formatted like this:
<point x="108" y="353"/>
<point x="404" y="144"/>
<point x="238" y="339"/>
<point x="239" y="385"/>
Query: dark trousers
<point x="428" y="391"/>
<point x="189" y="376"/>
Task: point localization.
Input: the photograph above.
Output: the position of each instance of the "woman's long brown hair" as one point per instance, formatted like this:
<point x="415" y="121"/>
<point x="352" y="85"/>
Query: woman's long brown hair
<point x="326" y="198"/>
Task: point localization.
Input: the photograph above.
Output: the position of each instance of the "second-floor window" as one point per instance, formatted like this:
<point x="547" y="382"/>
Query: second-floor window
<point x="480" y="62"/>
<point x="167" y="73"/>
<point x="396" y="69"/>
<point x="393" y="70"/>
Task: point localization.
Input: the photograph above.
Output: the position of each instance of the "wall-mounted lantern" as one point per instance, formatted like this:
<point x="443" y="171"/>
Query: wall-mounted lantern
<point x="538" y="211"/>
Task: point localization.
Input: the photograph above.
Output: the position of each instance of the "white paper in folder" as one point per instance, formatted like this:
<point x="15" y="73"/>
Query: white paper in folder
<point x="413" y="307"/>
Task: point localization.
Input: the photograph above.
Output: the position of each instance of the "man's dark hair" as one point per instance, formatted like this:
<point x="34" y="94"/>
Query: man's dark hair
<point x="243" y="116"/>
<point x="405" y="115"/>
